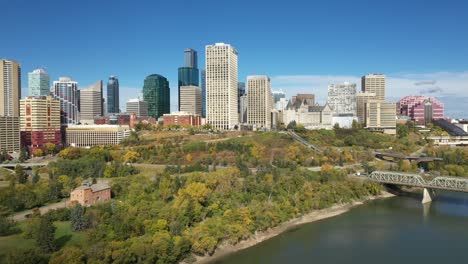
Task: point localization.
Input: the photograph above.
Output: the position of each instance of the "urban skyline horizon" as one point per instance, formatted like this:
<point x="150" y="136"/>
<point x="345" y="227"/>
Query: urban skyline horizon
<point x="294" y="84"/>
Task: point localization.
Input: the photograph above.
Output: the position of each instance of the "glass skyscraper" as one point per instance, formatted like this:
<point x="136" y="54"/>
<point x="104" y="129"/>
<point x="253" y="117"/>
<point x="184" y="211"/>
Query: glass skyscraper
<point x="203" y="87"/>
<point x="240" y="92"/>
<point x="188" y="75"/>
<point x="157" y="94"/>
<point x="39" y="83"/>
<point x="113" y="95"/>
<point x="191" y="58"/>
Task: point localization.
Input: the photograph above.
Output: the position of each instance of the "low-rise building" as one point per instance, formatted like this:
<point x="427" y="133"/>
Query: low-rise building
<point x="96" y="135"/>
<point x="182" y="119"/>
<point x="90" y="194"/>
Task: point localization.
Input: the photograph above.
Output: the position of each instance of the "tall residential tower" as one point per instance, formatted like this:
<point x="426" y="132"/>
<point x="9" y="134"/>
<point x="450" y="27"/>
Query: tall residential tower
<point x="259" y="101"/>
<point x="66" y="90"/>
<point x="374" y="83"/>
<point x="10" y="88"/>
<point x="221" y="86"/>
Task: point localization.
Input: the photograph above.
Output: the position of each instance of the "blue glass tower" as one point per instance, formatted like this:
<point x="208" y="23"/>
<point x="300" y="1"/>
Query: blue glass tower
<point x="188" y="75"/>
<point x="113" y="95"/>
<point x="157" y="94"/>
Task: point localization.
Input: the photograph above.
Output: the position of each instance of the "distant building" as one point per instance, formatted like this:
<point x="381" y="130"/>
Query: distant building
<point x="188" y="75"/>
<point x="182" y="119"/>
<point x="240" y="92"/>
<point x="95" y="135"/>
<point x="66" y="91"/>
<point x="243" y="104"/>
<point x="91" y="103"/>
<point x="191" y="58"/>
<point x="310" y="116"/>
<point x="113" y="95"/>
<point x="191" y="99"/>
<point x="380" y="116"/>
<point x="277" y="95"/>
<point x="421" y="109"/>
<point x="9" y="134"/>
<point x="221" y="86"/>
<point x="259" y="101"/>
<point x="342" y="99"/>
<point x="40" y="122"/>
<point x="90" y="194"/>
<point x="308" y="99"/>
<point x="39" y="83"/>
<point x="10" y="88"/>
<point x="157" y="94"/>
<point x="203" y="87"/>
<point x="137" y="106"/>
<point x="281" y="104"/>
<point x="361" y="100"/>
<point x="374" y="83"/>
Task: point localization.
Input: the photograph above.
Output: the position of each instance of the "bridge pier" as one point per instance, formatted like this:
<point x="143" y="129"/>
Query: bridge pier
<point x="426" y="196"/>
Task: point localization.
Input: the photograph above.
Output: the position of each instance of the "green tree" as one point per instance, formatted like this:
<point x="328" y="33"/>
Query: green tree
<point x="20" y="175"/>
<point x="68" y="255"/>
<point x="23" y="155"/>
<point x="45" y="235"/>
<point x="7" y="226"/>
<point x="402" y="131"/>
<point x="26" y="256"/>
<point x="79" y="221"/>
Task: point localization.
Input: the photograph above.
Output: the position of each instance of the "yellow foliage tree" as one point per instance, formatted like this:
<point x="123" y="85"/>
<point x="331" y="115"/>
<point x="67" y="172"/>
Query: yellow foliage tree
<point x="131" y="156"/>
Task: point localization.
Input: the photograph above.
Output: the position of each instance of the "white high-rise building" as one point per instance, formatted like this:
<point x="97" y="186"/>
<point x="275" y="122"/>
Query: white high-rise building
<point x="221" y="86"/>
<point x="39" y="83"/>
<point x="259" y="101"/>
<point x="91" y="103"/>
<point x="138" y="107"/>
<point x="191" y="99"/>
<point x="66" y="90"/>
<point x="374" y="83"/>
<point x="342" y="98"/>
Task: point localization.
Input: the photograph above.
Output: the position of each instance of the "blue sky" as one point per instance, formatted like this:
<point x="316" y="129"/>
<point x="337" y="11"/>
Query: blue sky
<point x="302" y="45"/>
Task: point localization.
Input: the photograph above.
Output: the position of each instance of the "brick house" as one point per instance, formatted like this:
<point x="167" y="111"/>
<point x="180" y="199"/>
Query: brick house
<point x="89" y="194"/>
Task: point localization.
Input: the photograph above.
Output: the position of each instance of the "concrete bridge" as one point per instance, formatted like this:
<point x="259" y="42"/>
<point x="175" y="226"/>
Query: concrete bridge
<point x="386" y="156"/>
<point x="457" y="184"/>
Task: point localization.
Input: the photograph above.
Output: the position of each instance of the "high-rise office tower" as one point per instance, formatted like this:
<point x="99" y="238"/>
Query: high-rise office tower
<point x="191" y="99"/>
<point x="40" y="121"/>
<point x="259" y="101"/>
<point x="66" y="90"/>
<point x="342" y="98"/>
<point x="10" y="88"/>
<point x="9" y="134"/>
<point x="39" y="83"/>
<point x="374" y="83"/>
<point x="361" y="100"/>
<point x="191" y="58"/>
<point x="240" y="93"/>
<point x="221" y="86"/>
<point x="91" y="103"/>
<point x="203" y="88"/>
<point x="113" y="95"/>
<point x="157" y="94"/>
<point x="188" y="75"/>
<point x="138" y="107"/>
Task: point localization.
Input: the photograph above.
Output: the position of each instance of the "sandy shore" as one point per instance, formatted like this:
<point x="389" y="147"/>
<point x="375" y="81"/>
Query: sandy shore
<point x="317" y="215"/>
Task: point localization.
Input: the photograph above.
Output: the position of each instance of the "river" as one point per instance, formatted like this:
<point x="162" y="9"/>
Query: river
<point x="393" y="230"/>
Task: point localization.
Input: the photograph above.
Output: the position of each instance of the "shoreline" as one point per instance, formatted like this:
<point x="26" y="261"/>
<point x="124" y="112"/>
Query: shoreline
<point x="317" y="215"/>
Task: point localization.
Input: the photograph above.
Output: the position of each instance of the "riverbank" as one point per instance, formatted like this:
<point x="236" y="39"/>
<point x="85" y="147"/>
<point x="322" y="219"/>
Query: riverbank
<point x="225" y="250"/>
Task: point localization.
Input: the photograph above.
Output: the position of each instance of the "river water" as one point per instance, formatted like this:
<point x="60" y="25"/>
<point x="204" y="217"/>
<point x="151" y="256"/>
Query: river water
<point x="395" y="230"/>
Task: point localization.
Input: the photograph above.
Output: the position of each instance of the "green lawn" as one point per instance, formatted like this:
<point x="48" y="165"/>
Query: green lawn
<point x="64" y="236"/>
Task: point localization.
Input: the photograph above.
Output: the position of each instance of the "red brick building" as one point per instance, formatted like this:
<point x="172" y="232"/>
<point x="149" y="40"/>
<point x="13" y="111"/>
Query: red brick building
<point x="182" y="119"/>
<point x="88" y="194"/>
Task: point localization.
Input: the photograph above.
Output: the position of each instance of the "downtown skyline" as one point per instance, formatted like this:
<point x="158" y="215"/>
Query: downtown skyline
<point x="419" y="55"/>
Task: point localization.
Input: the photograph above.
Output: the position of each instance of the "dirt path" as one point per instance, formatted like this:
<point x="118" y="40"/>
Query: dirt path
<point x="44" y="209"/>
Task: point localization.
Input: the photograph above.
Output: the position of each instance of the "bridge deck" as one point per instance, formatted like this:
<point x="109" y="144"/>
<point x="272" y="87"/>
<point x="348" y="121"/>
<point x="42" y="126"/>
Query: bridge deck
<point x="458" y="184"/>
